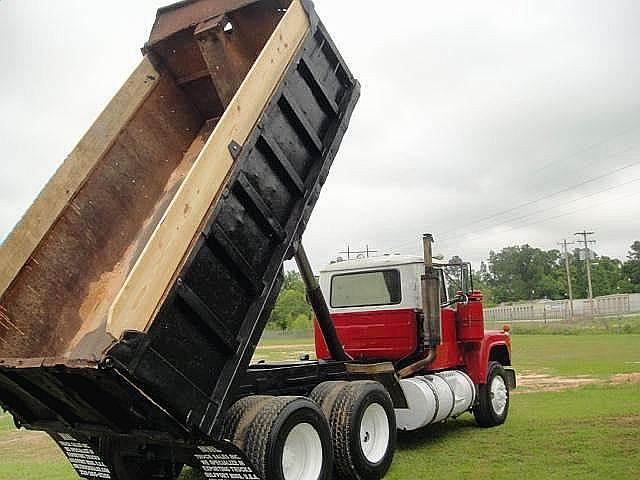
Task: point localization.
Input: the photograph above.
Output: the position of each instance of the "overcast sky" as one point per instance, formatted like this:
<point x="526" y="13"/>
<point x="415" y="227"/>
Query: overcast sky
<point x="488" y="123"/>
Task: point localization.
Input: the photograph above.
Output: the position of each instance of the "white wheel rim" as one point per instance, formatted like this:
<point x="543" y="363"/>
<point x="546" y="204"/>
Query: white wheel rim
<point x="374" y="433"/>
<point x="302" y="453"/>
<point x="499" y="395"/>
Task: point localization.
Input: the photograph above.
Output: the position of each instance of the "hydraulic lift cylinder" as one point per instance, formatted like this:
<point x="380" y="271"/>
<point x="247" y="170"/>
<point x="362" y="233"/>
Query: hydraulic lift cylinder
<point x="319" y="305"/>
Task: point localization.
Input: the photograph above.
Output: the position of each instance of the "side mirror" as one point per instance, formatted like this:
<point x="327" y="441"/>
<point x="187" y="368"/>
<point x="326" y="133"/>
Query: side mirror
<point x="462" y="298"/>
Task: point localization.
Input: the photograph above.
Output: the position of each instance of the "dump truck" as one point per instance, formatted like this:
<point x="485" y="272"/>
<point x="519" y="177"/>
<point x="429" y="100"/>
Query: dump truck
<point x="133" y="292"/>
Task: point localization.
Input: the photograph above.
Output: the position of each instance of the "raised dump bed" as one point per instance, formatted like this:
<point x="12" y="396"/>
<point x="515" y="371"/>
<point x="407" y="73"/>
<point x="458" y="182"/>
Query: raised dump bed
<point x="135" y="288"/>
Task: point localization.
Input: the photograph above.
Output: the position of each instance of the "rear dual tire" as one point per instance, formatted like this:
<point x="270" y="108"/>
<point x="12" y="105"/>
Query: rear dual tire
<point x="363" y="427"/>
<point x="345" y="430"/>
<point x="286" y="438"/>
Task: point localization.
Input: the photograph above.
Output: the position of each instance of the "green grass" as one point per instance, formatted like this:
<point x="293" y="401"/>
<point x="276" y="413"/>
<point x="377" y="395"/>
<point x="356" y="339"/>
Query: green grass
<point x="6" y="423"/>
<point x="593" y="355"/>
<point x="36" y="469"/>
<point x="284" y="348"/>
<point x="30" y="455"/>
<point x="587" y="433"/>
<point x="629" y="324"/>
<point x="278" y="340"/>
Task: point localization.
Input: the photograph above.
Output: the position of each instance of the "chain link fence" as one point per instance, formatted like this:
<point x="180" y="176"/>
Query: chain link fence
<point x="548" y="311"/>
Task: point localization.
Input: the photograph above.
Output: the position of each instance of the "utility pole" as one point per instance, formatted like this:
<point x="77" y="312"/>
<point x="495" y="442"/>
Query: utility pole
<point x="566" y="264"/>
<point x="587" y="260"/>
<point x="587" y="257"/>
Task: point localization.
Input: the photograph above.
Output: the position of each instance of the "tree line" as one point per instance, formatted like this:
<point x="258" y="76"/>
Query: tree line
<point x="523" y="272"/>
<point x="516" y="273"/>
<point x="292" y="311"/>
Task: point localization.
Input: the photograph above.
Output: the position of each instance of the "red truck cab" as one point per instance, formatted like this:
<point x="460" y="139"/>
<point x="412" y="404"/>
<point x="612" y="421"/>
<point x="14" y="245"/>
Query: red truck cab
<point x="376" y="307"/>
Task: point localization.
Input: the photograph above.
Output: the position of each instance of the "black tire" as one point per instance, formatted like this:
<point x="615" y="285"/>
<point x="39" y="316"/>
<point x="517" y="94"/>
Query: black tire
<point x="270" y="429"/>
<point x="345" y="405"/>
<point x="239" y="418"/>
<point x="325" y="395"/>
<point x="485" y="413"/>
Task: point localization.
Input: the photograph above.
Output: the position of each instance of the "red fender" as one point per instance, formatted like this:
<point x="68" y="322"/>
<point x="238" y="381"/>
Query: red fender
<point x="494" y="346"/>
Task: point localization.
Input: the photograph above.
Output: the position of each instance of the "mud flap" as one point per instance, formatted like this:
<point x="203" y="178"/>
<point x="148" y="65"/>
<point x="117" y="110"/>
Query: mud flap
<point x="510" y="377"/>
<point x="222" y="461"/>
<point x="82" y="457"/>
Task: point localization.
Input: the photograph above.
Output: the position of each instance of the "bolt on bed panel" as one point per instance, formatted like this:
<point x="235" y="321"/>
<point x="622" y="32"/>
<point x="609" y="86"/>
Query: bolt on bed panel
<point x="146" y="286"/>
<point x="221" y="300"/>
<point x="71" y="280"/>
<point x="177" y="371"/>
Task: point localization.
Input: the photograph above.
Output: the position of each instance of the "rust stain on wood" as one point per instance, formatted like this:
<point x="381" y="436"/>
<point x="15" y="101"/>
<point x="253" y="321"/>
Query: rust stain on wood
<point x="113" y="192"/>
<point x="59" y="304"/>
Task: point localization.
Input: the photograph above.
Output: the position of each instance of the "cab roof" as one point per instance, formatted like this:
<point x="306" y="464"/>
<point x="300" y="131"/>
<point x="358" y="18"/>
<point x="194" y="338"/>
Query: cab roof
<point x="383" y="261"/>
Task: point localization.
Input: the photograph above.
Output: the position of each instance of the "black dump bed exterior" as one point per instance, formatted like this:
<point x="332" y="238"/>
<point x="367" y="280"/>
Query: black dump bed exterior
<point x="177" y="379"/>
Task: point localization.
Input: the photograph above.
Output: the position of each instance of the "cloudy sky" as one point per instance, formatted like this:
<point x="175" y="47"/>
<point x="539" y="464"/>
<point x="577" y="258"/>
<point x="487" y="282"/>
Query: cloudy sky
<point x="488" y="123"/>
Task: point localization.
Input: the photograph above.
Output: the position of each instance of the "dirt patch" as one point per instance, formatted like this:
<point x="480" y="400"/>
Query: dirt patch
<point x="542" y="382"/>
<point x="632" y="421"/>
<point x="40" y="445"/>
<point x="626" y="378"/>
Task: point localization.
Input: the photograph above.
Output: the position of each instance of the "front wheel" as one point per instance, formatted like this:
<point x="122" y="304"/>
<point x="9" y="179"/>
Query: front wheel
<point x="492" y="406"/>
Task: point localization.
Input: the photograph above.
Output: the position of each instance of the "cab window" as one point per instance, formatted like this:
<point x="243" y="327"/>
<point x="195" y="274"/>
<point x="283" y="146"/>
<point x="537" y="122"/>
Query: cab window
<point x="362" y="289"/>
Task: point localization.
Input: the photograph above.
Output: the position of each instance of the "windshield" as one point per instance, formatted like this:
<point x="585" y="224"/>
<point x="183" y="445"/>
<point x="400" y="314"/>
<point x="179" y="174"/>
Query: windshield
<point x="366" y="288"/>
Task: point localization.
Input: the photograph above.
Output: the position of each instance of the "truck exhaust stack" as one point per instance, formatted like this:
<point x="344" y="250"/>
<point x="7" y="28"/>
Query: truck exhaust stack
<point x="430" y="282"/>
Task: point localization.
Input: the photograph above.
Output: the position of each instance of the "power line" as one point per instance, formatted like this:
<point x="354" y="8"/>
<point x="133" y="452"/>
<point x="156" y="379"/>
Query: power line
<point x="584" y="149"/>
<point x="449" y="238"/>
<point x="589" y="195"/>
<point x="451" y="242"/>
<point x="550" y="195"/>
<point x="446" y="234"/>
